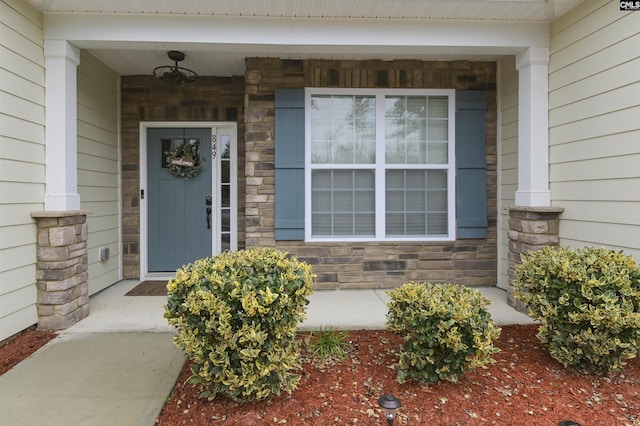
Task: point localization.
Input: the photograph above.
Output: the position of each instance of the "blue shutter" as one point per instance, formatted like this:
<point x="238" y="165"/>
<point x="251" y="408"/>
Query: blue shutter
<point x="289" y="164"/>
<point x="471" y="164"/>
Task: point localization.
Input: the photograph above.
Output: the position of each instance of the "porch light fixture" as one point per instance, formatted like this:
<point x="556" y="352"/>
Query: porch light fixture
<point x="390" y="405"/>
<point x="174" y="74"/>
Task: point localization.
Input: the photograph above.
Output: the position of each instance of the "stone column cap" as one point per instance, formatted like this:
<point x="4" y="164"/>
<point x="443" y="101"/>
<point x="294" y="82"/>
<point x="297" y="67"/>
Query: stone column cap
<point x="535" y="209"/>
<point x="62" y="213"/>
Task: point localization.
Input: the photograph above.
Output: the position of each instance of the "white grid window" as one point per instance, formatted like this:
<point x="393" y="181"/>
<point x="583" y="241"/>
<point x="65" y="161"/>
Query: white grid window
<point x="379" y="164"/>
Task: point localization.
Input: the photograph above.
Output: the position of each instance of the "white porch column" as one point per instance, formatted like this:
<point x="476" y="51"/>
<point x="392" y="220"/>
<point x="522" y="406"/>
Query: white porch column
<point x="533" y="128"/>
<point x="61" y="61"/>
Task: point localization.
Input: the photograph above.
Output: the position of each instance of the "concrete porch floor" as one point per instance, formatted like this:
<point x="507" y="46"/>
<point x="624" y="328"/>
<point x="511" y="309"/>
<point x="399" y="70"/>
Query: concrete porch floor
<point x="112" y="311"/>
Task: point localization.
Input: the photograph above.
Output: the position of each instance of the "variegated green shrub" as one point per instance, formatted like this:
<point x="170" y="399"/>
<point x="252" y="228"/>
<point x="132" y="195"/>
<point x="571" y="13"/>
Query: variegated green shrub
<point x="236" y="316"/>
<point x="588" y="301"/>
<point x="446" y="330"/>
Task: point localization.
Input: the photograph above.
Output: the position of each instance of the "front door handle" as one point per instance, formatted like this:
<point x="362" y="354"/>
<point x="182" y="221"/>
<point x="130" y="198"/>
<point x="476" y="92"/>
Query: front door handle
<point x="208" y="217"/>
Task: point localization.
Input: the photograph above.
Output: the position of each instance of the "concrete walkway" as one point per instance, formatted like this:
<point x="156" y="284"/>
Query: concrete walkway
<point x="117" y="366"/>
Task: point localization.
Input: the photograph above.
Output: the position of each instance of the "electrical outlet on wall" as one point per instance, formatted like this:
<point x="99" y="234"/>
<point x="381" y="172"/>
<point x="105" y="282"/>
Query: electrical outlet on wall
<point x="104" y="254"/>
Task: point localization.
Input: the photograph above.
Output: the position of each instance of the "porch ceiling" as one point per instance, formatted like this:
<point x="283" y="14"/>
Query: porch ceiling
<point x="491" y="10"/>
<point x="225" y="59"/>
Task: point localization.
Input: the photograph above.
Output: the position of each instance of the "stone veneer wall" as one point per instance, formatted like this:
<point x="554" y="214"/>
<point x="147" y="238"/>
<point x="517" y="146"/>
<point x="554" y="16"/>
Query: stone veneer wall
<point x="365" y="265"/>
<point x="62" y="276"/>
<point x="145" y="99"/>
<point x="530" y="228"/>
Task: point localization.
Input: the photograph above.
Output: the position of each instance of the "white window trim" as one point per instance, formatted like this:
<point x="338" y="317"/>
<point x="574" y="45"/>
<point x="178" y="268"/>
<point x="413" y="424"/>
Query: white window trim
<point x="380" y="166"/>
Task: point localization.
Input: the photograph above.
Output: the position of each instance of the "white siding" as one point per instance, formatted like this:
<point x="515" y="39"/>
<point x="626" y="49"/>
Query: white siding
<point x="508" y="157"/>
<point x="98" y="178"/>
<point x="21" y="160"/>
<point x="594" y="126"/>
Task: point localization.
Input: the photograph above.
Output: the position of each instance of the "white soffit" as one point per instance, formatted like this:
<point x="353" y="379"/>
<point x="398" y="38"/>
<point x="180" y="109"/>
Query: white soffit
<point x="132" y="37"/>
<point x="492" y="10"/>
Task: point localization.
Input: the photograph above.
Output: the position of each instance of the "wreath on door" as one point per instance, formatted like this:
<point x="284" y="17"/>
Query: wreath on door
<point x="183" y="160"/>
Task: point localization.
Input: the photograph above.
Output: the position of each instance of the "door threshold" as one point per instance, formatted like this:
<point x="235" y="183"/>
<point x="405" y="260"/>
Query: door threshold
<point x="158" y="276"/>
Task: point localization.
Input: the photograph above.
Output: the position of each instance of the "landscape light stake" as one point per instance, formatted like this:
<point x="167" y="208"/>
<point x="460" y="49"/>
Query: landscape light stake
<point x="390" y="405"/>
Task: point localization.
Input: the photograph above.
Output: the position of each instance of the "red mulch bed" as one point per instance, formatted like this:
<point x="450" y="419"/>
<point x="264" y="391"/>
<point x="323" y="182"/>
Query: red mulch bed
<point x="17" y="348"/>
<point x="524" y="387"/>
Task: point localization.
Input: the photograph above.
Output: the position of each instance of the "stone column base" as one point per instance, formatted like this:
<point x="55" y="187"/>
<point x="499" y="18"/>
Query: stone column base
<point x="62" y="276"/>
<point x="530" y="228"/>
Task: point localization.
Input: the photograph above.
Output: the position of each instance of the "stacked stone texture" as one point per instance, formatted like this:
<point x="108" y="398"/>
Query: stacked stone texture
<point x="530" y="228"/>
<point x="62" y="277"/>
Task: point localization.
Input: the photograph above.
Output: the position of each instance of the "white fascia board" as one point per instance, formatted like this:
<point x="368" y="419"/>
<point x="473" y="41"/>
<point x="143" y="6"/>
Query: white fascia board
<point x="93" y="30"/>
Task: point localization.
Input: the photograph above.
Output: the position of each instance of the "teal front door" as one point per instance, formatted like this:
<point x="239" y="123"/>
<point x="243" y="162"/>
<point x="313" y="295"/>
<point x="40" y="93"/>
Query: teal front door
<point x="180" y="223"/>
